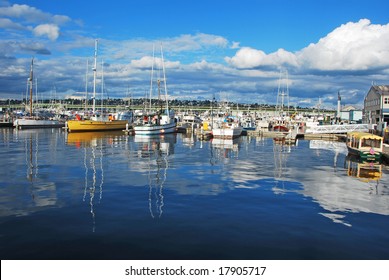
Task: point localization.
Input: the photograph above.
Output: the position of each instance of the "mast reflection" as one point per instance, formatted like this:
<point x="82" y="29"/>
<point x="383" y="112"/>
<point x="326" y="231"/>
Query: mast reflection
<point x="93" y="145"/>
<point x="42" y="193"/>
<point x="153" y="152"/>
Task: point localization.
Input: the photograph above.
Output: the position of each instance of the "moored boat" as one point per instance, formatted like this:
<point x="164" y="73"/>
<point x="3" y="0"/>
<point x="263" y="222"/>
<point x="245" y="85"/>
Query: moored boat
<point x="154" y="124"/>
<point x="33" y="120"/>
<point x="96" y="123"/>
<point x="162" y="121"/>
<point x="365" y="145"/>
<point x="229" y="129"/>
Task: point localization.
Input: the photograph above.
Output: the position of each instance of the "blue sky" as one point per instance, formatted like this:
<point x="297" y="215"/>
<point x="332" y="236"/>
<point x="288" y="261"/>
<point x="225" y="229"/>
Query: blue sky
<point x="231" y="49"/>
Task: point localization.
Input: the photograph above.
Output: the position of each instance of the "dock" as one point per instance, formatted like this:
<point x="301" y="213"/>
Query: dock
<point x="385" y="153"/>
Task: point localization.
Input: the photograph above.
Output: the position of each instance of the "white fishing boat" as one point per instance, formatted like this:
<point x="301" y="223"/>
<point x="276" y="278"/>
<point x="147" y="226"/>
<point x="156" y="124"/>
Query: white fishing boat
<point x="156" y="122"/>
<point x="32" y="120"/>
<point x="229" y="128"/>
<point x="248" y="123"/>
<point x="191" y="120"/>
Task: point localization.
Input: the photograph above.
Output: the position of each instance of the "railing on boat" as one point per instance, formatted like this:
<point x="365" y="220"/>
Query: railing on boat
<point x="344" y="128"/>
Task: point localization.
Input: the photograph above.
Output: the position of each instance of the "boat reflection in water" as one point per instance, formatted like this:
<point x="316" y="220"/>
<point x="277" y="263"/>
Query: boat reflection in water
<point x="337" y="148"/>
<point x="42" y="193"/>
<point x="153" y="153"/>
<point x="281" y="153"/>
<point x="222" y="148"/>
<point x="365" y="171"/>
<point x="93" y="144"/>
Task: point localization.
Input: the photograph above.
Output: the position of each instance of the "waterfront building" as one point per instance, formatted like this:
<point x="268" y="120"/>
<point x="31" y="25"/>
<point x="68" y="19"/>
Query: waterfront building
<point x="351" y="114"/>
<point x="376" y="106"/>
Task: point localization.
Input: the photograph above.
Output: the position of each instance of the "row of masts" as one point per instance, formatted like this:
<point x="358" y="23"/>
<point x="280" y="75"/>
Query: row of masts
<point x="94" y="69"/>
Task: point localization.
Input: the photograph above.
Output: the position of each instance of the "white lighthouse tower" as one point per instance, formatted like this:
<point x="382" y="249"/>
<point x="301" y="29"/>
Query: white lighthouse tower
<point x="338" y="111"/>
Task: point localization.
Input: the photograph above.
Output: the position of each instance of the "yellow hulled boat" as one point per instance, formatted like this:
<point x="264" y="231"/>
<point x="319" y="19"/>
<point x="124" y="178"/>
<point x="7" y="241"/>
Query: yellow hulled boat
<point x="95" y="125"/>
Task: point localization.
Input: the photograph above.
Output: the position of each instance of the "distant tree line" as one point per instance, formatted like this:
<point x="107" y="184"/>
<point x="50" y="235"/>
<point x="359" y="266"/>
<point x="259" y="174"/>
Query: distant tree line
<point x="139" y="102"/>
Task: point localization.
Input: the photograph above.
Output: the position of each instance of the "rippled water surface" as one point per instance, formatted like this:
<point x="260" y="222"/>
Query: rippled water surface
<point x="113" y="196"/>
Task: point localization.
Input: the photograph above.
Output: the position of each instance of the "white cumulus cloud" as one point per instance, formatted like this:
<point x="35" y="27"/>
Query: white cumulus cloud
<point x="251" y="58"/>
<point x="31" y="14"/>
<point x="247" y="58"/>
<point x="146" y="62"/>
<point x="49" y="30"/>
<point x="354" y="46"/>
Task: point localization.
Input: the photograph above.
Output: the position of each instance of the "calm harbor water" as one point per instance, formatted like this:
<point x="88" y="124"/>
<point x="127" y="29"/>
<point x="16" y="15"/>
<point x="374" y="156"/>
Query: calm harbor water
<point x="113" y="196"/>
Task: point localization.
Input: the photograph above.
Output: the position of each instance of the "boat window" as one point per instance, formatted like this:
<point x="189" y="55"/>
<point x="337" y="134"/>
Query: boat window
<point x="371" y="143"/>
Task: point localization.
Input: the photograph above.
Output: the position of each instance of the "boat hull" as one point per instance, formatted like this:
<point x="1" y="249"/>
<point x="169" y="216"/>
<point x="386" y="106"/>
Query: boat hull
<point x="6" y="124"/>
<point x="280" y="128"/>
<point x="31" y="123"/>
<point x="227" y="133"/>
<point x="365" y="155"/>
<point x="90" y="125"/>
<point x="154" y="129"/>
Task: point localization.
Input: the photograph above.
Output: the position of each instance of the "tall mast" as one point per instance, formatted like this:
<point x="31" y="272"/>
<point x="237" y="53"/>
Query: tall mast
<point x="30" y="79"/>
<point x="94" y="78"/>
<point x="102" y="85"/>
<point x="164" y="80"/>
<point x="86" y="85"/>
<point x="151" y="79"/>
<point x="283" y="91"/>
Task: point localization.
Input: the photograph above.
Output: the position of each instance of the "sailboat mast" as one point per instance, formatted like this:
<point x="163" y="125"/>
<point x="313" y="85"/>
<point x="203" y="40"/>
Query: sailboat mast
<point x="102" y="85"/>
<point x="283" y="92"/>
<point x="30" y="79"/>
<point x="86" y="85"/>
<point x="151" y="79"/>
<point x="164" y="80"/>
<point x="94" y="78"/>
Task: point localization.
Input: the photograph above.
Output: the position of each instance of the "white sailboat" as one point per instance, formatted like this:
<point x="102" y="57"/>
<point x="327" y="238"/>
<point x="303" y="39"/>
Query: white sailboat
<point x="281" y="122"/>
<point x="161" y="121"/>
<point x="33" y="121"/>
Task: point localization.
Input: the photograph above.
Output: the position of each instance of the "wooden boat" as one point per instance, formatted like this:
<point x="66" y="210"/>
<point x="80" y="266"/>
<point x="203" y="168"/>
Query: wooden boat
<point x="162" y="121"/>
<point x="96" y="123"/>
<point x="365" y="145"/>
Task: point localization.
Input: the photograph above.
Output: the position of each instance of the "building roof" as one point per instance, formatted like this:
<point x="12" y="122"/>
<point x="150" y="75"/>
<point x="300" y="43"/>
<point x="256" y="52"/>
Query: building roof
<point x="381" y="89"/>
<point x="348" y="108"/>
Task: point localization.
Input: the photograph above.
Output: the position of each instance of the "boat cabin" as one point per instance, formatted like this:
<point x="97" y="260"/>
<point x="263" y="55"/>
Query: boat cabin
<point x="365" y="145"/>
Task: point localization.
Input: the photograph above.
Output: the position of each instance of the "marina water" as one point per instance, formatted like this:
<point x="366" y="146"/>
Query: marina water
<point x="113" y="196"/>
